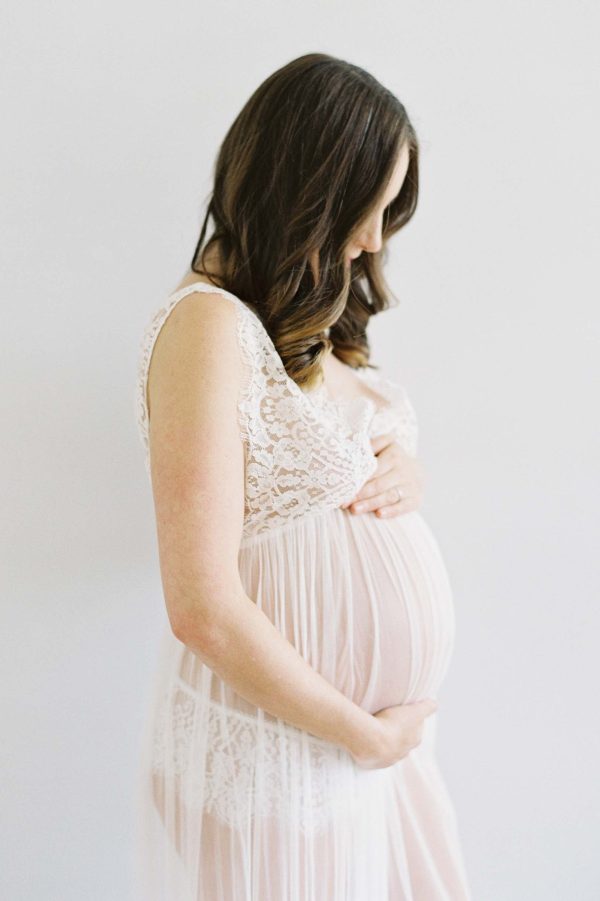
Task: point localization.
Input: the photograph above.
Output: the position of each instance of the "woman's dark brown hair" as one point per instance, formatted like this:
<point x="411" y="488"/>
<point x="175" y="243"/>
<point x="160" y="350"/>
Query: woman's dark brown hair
<point x="301" y="167"/>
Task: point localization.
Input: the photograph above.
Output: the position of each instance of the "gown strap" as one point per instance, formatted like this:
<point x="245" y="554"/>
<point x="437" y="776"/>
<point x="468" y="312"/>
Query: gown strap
<point x="252" y="347"/>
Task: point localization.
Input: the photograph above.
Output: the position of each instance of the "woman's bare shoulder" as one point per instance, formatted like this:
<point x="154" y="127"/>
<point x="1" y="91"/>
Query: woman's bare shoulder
<point x="197" y="337"/>
<point x="191" y="277"/>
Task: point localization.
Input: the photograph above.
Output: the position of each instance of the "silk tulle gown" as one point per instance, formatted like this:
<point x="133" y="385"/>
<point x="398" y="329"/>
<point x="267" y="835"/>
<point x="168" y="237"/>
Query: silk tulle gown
<point x="234" y="804"/>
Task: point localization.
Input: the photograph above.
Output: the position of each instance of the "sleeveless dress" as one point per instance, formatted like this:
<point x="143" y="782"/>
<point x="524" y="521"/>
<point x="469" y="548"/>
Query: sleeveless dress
<point x="234" y="804"/>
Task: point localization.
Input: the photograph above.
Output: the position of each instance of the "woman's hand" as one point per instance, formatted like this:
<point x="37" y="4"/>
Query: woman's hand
<point x="395" y="468"/>
<point x="400" y="729"/>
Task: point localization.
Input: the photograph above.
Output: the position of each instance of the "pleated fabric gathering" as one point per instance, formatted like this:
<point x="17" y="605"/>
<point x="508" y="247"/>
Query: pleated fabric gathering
<point x="234" y="804"/>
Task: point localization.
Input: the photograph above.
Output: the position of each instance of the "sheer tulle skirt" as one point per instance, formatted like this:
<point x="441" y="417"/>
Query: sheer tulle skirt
<point x="237" y="805"/>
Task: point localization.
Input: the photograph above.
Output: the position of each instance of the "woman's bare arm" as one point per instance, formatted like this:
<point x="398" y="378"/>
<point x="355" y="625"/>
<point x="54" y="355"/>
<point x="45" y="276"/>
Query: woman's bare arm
<point x="197" y="469"/>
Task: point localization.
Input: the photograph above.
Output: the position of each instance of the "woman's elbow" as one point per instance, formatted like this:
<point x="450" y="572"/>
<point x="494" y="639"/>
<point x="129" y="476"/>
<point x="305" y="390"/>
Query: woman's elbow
<point x="201" y="623"/>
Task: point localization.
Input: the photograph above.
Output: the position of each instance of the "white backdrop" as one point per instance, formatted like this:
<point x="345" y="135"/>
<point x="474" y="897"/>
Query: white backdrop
<point x="112" y="118"/>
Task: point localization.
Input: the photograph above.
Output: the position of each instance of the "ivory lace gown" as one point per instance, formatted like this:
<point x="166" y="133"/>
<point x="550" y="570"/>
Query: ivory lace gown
<point x="236" y="805"/>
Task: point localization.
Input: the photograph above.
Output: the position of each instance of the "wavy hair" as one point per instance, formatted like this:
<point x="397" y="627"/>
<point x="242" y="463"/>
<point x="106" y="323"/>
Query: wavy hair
<point x="300" y="169"/>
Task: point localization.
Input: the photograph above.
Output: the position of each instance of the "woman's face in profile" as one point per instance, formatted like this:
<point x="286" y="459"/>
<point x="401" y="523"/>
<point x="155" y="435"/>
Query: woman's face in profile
<point x="369" y="235"/>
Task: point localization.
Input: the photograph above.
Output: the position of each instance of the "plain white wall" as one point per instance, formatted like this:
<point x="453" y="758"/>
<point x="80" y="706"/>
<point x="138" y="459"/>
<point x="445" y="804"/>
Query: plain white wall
<point x="112" y="118"/>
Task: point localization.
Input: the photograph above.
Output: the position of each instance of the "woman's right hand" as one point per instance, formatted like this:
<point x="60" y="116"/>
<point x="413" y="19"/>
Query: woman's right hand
<point x="398" y="730"/>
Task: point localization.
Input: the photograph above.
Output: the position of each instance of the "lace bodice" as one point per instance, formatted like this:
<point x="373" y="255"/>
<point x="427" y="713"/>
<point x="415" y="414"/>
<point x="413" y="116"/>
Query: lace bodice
<point x="304" y="451"/>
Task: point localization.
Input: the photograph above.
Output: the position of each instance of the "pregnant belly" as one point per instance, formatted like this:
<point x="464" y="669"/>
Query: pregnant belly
<point x="403" y="613"/>
<point x="367" y="602"/>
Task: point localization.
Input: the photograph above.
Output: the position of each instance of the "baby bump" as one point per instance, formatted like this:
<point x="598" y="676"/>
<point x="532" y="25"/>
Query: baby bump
<point x="403" y="628"/>
<point x="367" y="602"/>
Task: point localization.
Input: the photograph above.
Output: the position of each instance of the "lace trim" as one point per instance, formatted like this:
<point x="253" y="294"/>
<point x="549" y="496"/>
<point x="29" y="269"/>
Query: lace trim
<point x="250" y="766"/>
<point x="304" y="453"/>
<point x="246" y="335"/>
<point x="399" y="416"/>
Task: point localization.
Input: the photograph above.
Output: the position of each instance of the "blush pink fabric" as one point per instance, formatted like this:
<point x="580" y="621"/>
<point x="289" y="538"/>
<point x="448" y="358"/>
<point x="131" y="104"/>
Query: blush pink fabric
<point x="237" y="805"/>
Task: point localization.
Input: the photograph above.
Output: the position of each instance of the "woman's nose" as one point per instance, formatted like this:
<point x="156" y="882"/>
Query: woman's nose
<point x="371" y="241"/>
<point x="371" y="238"/>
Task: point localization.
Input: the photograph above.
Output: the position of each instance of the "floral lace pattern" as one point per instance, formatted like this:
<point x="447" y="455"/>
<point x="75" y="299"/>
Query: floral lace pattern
<point x="304" y="452"/>
<point x="234" y="779"/>
<point x="398" y="416"/>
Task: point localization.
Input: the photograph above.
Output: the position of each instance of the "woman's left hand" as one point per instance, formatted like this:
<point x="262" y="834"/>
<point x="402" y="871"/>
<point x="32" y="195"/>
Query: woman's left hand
<point x="395" y="468"/>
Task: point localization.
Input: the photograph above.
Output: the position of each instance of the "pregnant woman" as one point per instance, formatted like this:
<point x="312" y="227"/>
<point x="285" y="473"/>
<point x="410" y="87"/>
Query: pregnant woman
<point x="289" y="749"/>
